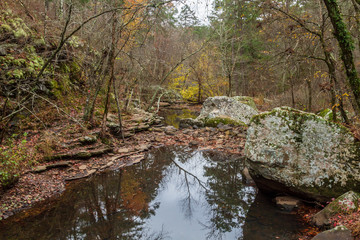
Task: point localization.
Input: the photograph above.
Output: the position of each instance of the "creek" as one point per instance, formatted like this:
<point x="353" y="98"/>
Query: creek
<point x="175" y="193"/>
<point x="172" y="116"/>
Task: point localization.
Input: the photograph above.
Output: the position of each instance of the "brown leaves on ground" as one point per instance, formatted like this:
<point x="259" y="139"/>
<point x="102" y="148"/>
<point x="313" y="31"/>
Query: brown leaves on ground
<point x="306" y="212"/>
<point x="351" y="221"/>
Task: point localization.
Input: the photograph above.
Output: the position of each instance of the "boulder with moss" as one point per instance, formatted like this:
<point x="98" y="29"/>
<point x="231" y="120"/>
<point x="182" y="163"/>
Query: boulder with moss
<point x="214" y="122"/>
<point x="347" y="203"/>
<point x="300" y="153"/>
<point x="246" y="100"/>
<point x="232" y="108"/>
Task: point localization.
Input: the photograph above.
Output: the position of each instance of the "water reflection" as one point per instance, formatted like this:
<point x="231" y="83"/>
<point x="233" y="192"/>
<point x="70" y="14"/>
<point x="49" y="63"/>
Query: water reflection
<point x="175" y="194"/>
<point x="172" y="116"/>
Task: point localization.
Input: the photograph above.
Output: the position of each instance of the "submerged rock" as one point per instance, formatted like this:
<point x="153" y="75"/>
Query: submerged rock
<point x="337" y="233"/>
<point x="346" y="203"/>
<point x="300" y="153"/>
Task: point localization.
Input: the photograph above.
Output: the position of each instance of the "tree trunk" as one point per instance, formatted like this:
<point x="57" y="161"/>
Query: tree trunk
<point x="346" y="45"/>
<point x="111" y="78"/>
<point x="308" y="83"/>
<point x="230" y="85"/>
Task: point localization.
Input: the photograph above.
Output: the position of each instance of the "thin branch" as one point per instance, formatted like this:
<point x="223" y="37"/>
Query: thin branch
<point x="296" y="19"/>
<point x="173" y="69"/>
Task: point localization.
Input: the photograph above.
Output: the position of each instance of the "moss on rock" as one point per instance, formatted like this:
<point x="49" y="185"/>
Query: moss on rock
<point x="303" y="152"/>
<point x="214" y="122"/>
<point x="246" y="100"/>
<point x="347" y="203"/>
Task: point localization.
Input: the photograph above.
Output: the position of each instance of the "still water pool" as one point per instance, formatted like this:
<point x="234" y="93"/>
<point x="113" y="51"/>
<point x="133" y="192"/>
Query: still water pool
<point x="176" y="193"/>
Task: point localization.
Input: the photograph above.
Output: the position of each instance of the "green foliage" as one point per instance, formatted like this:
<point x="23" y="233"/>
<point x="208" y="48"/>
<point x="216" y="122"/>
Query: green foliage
<point x="12" y="157"/>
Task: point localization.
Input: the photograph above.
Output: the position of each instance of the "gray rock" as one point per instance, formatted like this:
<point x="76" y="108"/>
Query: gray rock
<point x="169" y="129"/>
<point x="346" y="203"/>
<point x="300" y="153"/>
<point x="337" y="233"/>
<point x="3" y="51"/>
<point x="226" y="107"/>
<point x="88" y="140"/>
<point x="189" y="122"/>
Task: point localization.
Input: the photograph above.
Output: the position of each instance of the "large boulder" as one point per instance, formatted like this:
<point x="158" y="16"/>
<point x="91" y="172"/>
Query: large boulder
<point x="300" y="153"/>
<point x="233" y="108"/>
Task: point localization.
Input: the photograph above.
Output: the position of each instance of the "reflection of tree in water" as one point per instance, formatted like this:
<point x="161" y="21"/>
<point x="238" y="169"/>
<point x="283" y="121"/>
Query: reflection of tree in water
<point x="111" y="206"/>
<point x="229" y="198"/>
<point x="225" y="194"/>
<point x="117" y="205"/>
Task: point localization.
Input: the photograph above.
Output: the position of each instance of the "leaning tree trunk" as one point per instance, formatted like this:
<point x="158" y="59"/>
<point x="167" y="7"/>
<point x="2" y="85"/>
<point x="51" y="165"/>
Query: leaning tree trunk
<point x="345" y="41"/>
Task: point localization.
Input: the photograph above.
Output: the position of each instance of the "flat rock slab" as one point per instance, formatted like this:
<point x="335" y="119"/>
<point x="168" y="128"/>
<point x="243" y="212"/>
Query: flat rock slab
<point x="43" y="168"/>
<point x="82" y="154"/>
<point x="337" y="233"/>
<point x="123" y="150"/>
<point x="80" y="176"/>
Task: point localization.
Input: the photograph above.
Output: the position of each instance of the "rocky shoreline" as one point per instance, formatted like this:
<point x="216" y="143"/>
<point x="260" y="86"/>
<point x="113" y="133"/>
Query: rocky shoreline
<point x="50" y="179"/>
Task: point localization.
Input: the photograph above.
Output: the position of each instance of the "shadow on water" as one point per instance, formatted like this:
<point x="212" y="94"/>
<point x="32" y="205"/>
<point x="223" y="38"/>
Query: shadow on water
<point x="172" y="116"/>
<point x="176" y="193"/>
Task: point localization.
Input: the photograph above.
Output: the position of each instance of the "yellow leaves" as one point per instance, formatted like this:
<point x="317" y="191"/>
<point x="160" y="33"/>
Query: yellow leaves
<point x="201" y="78"/>
<point x="320" y="74"/>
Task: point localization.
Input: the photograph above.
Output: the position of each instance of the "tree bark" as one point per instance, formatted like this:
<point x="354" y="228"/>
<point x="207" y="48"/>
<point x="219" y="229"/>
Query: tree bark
<point x="345" y="41"/>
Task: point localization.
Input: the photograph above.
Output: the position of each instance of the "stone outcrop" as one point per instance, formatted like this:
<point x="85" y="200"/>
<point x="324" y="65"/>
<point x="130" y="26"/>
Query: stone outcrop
<point x="347" y="203"/>
<point x="224" y="110"/>
<point x="300" y="153"/>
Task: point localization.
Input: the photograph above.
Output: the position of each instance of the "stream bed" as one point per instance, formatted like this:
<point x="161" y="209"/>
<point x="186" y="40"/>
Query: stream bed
<point x="175" y="193"/>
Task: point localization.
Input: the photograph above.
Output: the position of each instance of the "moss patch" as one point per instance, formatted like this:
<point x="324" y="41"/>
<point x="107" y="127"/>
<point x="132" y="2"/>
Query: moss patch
<point x="214" y="122"/>
<point x="246" y="100"/>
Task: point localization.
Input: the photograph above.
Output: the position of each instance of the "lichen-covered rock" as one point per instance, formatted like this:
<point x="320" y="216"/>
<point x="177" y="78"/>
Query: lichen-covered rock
<point x="246" y="100"/>
<point x="226" y="107"/>
<point x="300" y="153"/>
<point x="346" y="203"/>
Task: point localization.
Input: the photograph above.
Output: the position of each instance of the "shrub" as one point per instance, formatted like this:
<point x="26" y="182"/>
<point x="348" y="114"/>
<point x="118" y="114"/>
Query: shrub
<point x="13" y="156"/>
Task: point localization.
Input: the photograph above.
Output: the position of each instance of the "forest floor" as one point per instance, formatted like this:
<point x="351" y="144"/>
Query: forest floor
<point x="48" y="179"/>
